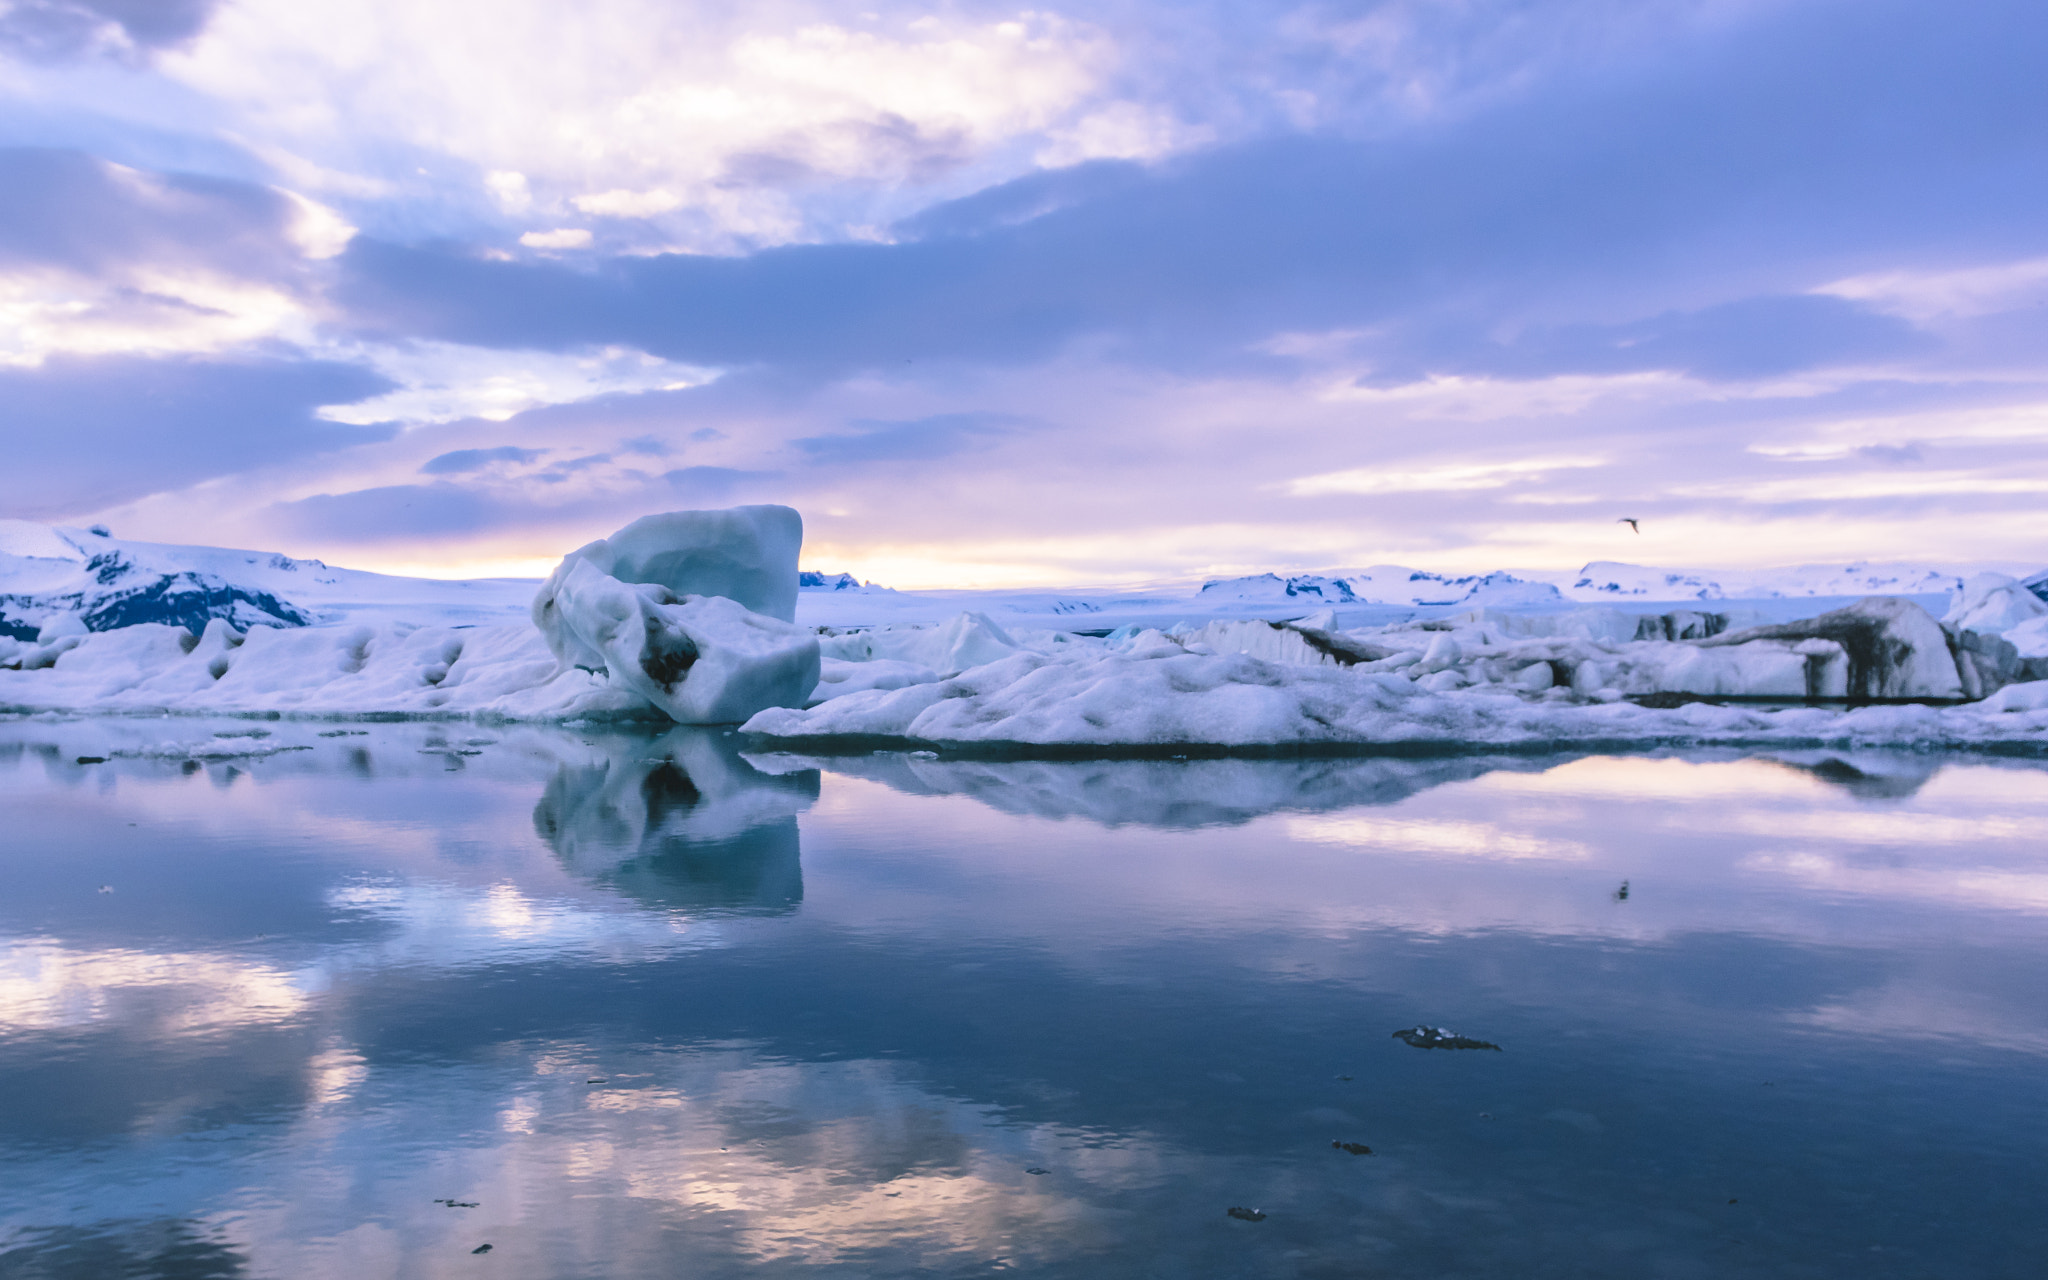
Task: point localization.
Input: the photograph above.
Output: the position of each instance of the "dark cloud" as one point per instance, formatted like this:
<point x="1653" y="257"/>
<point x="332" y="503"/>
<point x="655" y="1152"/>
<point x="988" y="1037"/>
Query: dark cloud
<point x="84" y="433"/>
<point x="1821" y="141"/>
<point x="449" y="509"/>
<point x="50" y="29"/>
<point x="462" y="461"/>
<point x="715" y="484"/>
<point x="397" y="512"/>
<point x="1752" y="338"/>
<point x="916" y="440"/>
<point x="68" y="210"/>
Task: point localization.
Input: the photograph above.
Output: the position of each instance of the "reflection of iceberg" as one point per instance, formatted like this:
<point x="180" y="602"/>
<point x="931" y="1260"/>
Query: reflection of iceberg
<point x="679" y="820"/>
<point x="1179" y="794"/>
<point x="1867" y="775"/>
<point x="1171" y="793"/>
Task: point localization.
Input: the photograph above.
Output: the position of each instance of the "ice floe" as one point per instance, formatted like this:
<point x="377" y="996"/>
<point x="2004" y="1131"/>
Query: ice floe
<point x="689" y="617"/>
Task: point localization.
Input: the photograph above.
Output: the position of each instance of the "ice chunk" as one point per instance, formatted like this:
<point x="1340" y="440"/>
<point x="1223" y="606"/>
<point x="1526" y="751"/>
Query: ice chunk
<point x="837" y="677"/>
<point x="57" y="626"/>
<point x="964" y="641"/>
<point x="702" y="659"/>
<point x="2030" y="638"/>
<point x="1294" y="644"/>
<point x="1893" y="649"/>
<point x="747" y="554"/>
<point x="1992" y="604"/>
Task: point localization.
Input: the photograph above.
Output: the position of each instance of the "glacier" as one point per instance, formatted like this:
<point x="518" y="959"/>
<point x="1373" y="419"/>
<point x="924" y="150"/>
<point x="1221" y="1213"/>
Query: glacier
<point x="705" y="617"/>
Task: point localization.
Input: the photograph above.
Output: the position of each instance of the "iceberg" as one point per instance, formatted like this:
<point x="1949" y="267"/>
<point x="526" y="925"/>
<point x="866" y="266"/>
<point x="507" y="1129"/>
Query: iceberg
<point x="1993" y="603"/>
<point x="688" y="617"/>
<point x="746" y="554"/>
<point x="701" y="659"/>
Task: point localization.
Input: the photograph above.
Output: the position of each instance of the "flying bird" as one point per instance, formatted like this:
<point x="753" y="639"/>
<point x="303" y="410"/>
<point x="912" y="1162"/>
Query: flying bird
<point x="1630" y="522"/>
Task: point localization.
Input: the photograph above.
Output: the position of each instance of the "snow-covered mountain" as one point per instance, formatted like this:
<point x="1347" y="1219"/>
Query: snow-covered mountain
<point x="88" y="580"/>
<point x="1610" y="580"/>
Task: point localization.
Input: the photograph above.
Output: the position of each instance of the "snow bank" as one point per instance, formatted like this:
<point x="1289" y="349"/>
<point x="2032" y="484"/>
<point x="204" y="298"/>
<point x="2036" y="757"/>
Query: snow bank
<point x="1479" y="679"/>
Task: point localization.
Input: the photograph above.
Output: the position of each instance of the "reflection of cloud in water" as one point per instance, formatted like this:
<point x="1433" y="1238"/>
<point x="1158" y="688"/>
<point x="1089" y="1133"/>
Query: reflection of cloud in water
<point x="714" y="1161"/>
<point x="140" y="1247"/>
<point x="681" y="821"/>
<point x="45" y="985"/>
<point x="1435" y="836"/>
<point x="2015" y="890"/>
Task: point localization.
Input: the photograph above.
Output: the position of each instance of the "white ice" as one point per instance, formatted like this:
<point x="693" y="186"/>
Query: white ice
<point x="687" y="617"/>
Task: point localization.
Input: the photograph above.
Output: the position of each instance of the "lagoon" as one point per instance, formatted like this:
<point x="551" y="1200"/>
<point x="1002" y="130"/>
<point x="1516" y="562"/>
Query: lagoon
<point x="273" y="994"/>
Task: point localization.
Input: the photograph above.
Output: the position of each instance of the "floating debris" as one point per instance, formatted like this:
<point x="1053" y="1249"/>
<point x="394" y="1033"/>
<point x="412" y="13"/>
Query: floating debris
<point x="344" y="733"/>
<point x="482" y="1248"/>
<point x="92" y="759"/>
<point x="458" y="1204"/>
<point x="1440" y="1038"/>
<point x="1621" y="894"/>
<point x="106" y="888"/>
<point x="599" y="1080"/>
<point x="1034" y="1171"/>
<point x="1354" y="1148"/>
<point x="1344" y="1078"/>
<point x="1486" y="1115"/>
<point x="1243" y="1214"/>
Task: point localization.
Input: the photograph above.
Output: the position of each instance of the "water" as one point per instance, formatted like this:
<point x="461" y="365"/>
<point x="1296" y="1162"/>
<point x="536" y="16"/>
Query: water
<point x="653" y="1011"/>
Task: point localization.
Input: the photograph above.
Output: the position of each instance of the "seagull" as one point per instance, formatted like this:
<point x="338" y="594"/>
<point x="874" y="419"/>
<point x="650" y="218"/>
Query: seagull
<point x="1630" y="522"/>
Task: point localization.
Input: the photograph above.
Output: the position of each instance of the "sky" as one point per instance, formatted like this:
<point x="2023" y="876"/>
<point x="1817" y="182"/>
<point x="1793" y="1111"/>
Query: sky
<point x="1000" y="297"/>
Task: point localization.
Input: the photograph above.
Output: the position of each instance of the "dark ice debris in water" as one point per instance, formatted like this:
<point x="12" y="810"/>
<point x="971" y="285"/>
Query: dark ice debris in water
<point x="482" y="1248"/>
<point x="599" y="1080"/>
<point x="1243" y="1214"/>
<point x="1621" y="894"/>
<point x="1438" y="1038"/>
<point x="1344" y="1077"/>
<point x="1355" y="1148"/>
<point x="92" y="759"/>
<point x="1035" y="1170"/>
<point x="106" y="888"/>
<point x="457" y="1204"/>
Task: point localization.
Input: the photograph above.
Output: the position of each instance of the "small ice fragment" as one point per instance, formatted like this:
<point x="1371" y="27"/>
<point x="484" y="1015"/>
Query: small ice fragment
<point x="1422" y="1037"/>
<point x="92" y="759"/>
<point x="1243" y="1214"/>
<point x="1034" y="1170"/>
<point x="482" y="1248"/>
<point x="1352" y="1148"/>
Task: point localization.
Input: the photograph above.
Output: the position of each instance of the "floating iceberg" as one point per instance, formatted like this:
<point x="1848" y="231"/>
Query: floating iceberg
<point x="700" y="659"/>
<point x="673" y="639"/>
<point x="1482" y="678"/>
<point x="688" y="617"/>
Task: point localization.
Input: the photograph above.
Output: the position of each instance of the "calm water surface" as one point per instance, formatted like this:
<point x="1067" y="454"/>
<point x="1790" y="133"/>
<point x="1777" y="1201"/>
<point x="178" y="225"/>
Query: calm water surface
<point x="642" y="1006"/>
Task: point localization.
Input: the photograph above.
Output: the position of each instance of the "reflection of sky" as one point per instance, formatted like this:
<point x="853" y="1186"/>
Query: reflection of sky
<point x="337" y="984"/>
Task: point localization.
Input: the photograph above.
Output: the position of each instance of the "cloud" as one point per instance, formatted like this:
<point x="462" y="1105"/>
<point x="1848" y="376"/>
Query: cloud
<point x="714" y="484"/>
<point x="84" y="434"/>
<point x="445" y="382"/>
<point x="97" y="257"/>
<point x="1655" y="200"/>
<point x="465" y="460"/>
<point x="1744" y="340"/>
<point x="917" y="440"/>
<point x="46" y="29"/>
<point x="719" y="118"/>
<point x="398" y="512"/>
